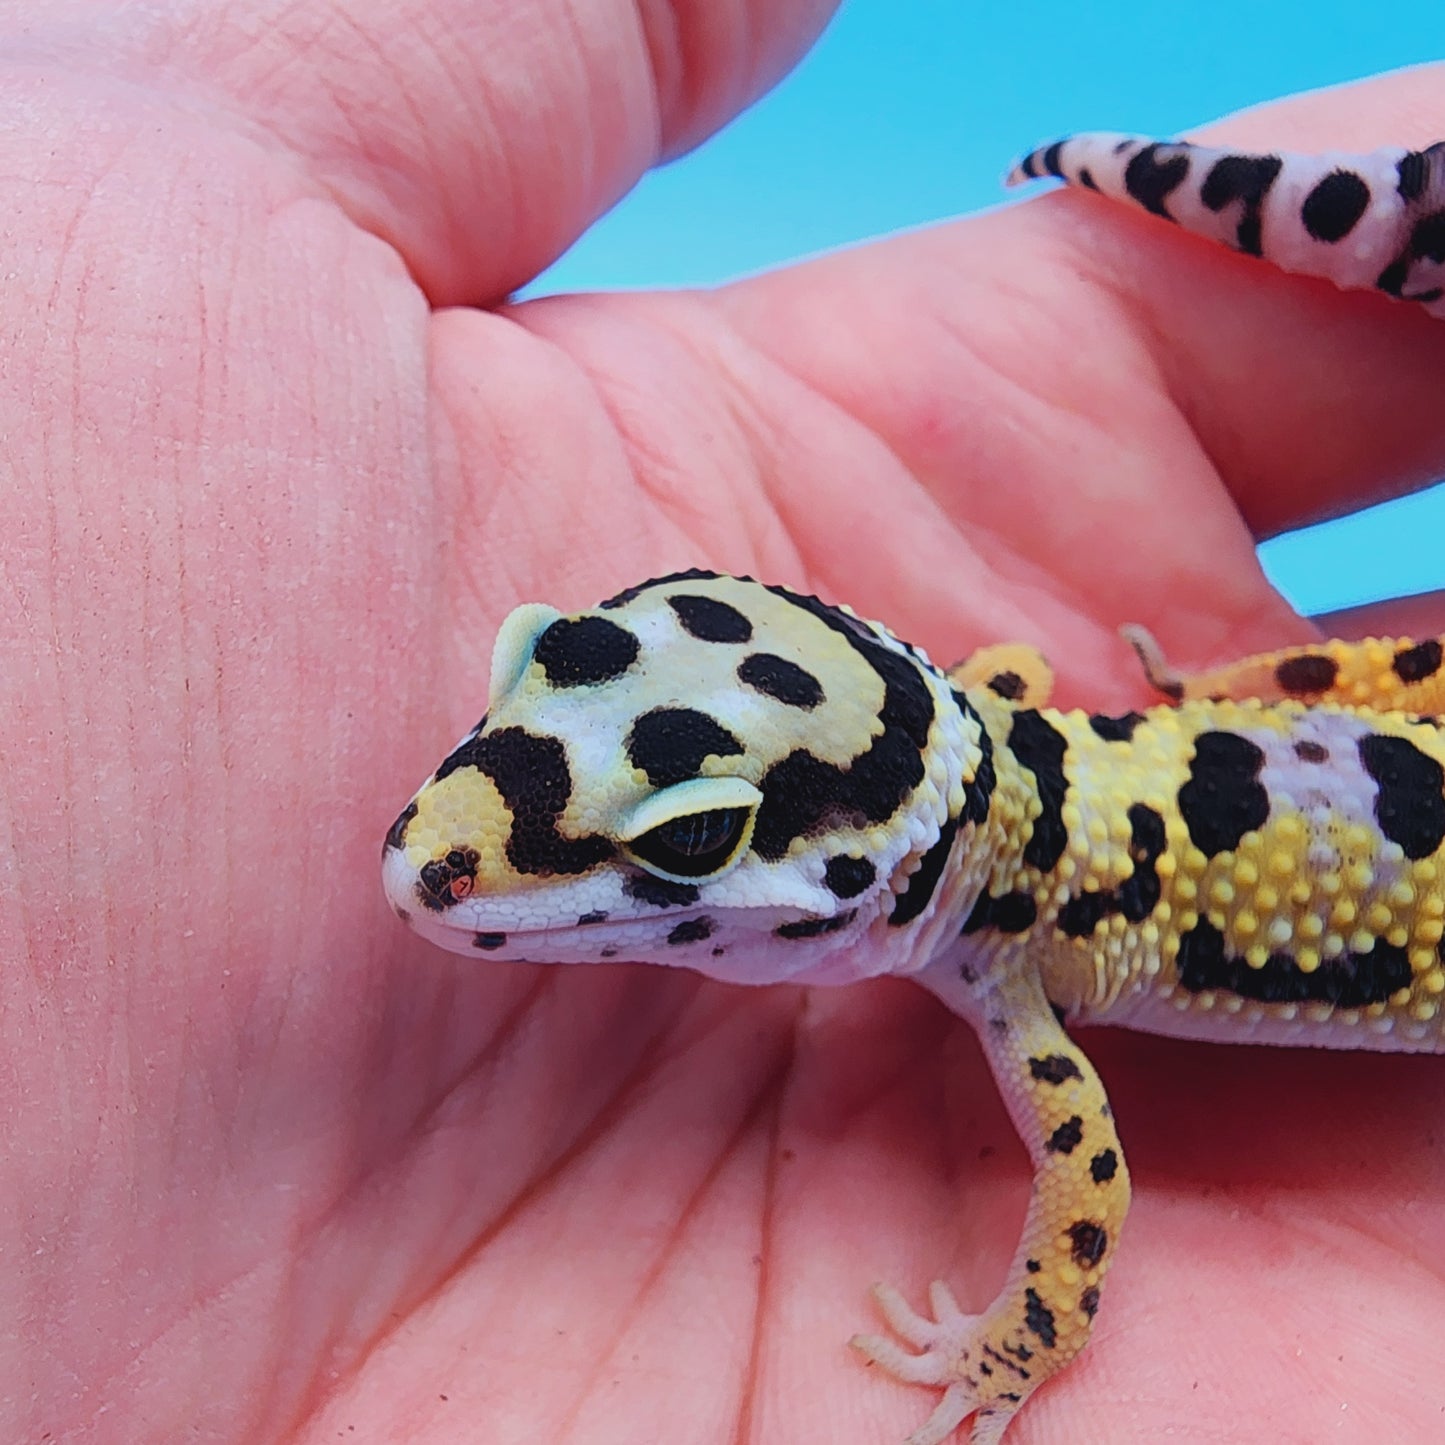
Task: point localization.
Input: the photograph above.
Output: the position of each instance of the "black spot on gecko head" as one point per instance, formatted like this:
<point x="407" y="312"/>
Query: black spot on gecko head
<point x="1334" y="207"/>
<point x="710" y="620"/>
<point x="1306" y="673"/>
<point x="659" y="892"/>
<point x="1223" y="798"/>
<point x="444" y="882"/>
<point x="1115" y="729"/>
<point x="1103" y="1166"/>
<point x="1415" y="664"/>
<point x="396" y="834"/>
<point x="923" y="881"/>
<point x="1410" y="804"/>
<point x="1090" y="1242"/>
<point x="1089" y="1301"/>
<point x="598" y="915"/>
<point x="815" y="927"/>
<point x="1007" y="685"/>
<point x="579" y="651"/>
<point x="1307" y="750"/>
<point x="692" y="930"/>
<point x="780" y="679"/>
<point x="670" y="743"/>
<point x="488" y="942"/>
<point x="1040" y="747"/>
<point x="530" y="772"/>
<point x="847" y="877"/>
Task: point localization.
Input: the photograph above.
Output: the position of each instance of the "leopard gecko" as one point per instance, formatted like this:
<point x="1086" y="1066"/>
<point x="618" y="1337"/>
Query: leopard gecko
<point x="740" y="779"/>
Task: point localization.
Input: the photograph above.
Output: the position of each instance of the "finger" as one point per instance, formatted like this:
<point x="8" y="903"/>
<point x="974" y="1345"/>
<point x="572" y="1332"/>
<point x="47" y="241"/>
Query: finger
<point x="1420" y="616"/>
<point x="481" y="139"/>
<point x="1309" y="402"/>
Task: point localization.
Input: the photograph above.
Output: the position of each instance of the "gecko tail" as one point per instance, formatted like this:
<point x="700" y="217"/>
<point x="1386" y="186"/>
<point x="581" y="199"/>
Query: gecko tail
<point x="1372" y="221"/>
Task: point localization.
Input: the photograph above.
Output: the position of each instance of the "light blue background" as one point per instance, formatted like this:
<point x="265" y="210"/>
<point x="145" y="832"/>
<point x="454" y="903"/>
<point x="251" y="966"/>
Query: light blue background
<point x="908" y="111"/>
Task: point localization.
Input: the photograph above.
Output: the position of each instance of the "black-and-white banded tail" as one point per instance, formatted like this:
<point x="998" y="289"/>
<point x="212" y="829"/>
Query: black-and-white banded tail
<point x="1366" y="222"/>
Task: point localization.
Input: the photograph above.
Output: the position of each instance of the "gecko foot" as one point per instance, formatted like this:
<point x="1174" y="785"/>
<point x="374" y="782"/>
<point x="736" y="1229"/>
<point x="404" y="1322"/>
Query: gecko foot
<point x="944" y="1348"/>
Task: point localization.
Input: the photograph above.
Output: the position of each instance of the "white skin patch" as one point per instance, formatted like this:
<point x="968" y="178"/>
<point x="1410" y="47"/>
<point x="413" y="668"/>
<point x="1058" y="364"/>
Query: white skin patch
<point x="1333" y="795"/>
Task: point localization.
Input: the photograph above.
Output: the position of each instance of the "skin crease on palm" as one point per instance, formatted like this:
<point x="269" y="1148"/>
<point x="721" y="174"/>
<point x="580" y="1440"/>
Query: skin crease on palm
<point x="276" y="466"/>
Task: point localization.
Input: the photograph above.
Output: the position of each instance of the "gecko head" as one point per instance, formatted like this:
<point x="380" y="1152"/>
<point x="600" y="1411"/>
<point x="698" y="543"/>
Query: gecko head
<point x="702" y="771"/>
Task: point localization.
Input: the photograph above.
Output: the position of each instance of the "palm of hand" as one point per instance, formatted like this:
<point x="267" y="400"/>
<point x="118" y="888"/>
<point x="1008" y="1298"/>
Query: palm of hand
<point x="277" y="1170"/>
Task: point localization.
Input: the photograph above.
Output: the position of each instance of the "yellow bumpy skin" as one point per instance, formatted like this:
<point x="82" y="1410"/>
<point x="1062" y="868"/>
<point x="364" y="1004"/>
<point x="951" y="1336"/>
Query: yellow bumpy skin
<point x="710" y="772"/>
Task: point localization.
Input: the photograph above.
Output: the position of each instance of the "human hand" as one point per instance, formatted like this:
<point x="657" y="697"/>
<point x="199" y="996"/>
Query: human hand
<point x="277" y="1171"/>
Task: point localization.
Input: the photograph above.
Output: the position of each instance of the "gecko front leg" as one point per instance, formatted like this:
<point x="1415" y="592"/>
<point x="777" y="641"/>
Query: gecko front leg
<point x="988" y="1364"/>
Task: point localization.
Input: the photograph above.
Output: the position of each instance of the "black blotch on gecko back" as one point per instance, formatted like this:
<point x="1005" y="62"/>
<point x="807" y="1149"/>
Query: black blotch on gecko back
<point x="1353" y="980"/>
<point x="1040" y="747"/>
<point x="1009" y="913"/>
<point x="1415" y="664"/>
<point x="1410" y="804"/>
<point x="1115" y="729"/>
<point x="1306" y="673"/>
<point x="1223" y="798"/>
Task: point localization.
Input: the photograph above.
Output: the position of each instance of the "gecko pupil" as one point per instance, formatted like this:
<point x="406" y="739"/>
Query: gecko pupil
<point x="694" y="844"/>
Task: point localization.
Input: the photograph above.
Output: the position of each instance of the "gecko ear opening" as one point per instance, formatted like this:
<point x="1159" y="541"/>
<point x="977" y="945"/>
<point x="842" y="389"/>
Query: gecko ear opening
<point x="694" y="830"/>
<point x="516" y="641"/>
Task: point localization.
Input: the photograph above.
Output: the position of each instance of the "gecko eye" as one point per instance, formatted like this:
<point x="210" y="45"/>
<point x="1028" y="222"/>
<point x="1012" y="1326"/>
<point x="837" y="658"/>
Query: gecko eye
<point x="695" y="845"/>
<point x="697" y="829"/>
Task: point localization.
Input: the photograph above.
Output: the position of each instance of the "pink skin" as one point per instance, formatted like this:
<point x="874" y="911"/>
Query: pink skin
<point x="273" y="1168"/>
